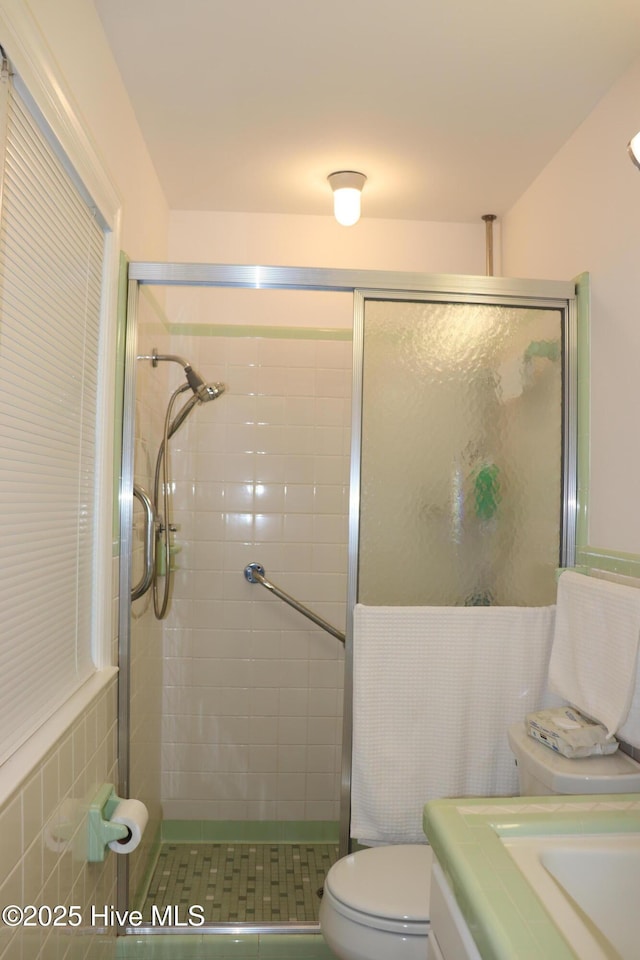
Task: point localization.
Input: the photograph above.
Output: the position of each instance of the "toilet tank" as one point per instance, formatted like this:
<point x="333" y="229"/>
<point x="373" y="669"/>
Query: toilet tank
<point x="543" y="772"/>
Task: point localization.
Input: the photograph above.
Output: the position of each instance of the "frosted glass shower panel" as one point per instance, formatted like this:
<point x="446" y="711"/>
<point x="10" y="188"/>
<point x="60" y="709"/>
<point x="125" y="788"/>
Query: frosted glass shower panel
<point x="461" y="462"/>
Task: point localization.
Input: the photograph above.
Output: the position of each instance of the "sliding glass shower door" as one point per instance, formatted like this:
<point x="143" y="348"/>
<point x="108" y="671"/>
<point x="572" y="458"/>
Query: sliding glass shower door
<point x="461" y="453"/>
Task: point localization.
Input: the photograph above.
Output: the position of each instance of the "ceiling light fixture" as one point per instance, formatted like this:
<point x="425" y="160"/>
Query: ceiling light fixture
<point x="347" y="186"/>
<point x="634" y="149"/>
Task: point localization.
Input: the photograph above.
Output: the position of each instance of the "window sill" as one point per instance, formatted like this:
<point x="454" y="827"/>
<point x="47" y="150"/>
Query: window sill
<point x="31" y="754"/>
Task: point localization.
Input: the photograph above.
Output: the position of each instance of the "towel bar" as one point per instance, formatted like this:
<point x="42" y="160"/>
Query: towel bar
<point x="254" y="573"/>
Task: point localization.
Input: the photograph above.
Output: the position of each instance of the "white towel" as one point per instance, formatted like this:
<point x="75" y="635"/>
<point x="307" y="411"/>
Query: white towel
<point x="434" y="691"/>
<point x="595" y="647"/>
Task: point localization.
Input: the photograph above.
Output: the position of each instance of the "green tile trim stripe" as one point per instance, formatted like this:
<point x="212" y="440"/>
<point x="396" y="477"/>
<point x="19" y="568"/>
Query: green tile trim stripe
<point x="250" y="831"/>
<point x="254" y="330"/>
<point x="223" y="947"/>
<point x="296" y="947"/>
<point x="609" y="561"/>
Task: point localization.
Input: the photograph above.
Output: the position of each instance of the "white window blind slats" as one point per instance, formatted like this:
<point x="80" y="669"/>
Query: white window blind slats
<point x="47" y="607"/>
<point x="31" y="557"/>
<point x="41" y="445"/>
<point x="46" y="187"/>
<point x="17" y="453"/>
<point x="58" y="288"/>
<point x="32" y="237"/>
<point x="27" y="300"/>
<point x="21" y="206"/>
<point x="32" y="378"/>
<point x="31" y="157"/>
<point x="31" y="619"/>
<point x="25" y="305"/>
<point x="35" y="445"/>
<point x="51" y="267"/>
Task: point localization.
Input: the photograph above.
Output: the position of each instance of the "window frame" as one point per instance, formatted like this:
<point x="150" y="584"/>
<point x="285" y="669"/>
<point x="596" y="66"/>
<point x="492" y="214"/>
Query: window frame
<point x="41" y="82"/>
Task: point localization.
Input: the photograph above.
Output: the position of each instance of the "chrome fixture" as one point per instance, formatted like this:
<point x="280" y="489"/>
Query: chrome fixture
<point x="254" y="573"/>
<point x="634" y="149"/>
<point x="161" y="562"/>
<point x="488" y="220"/>
<point x="202" y="391"/>
<point x="208" y="391"/>
<point x="144" y="583"/>
<point x="347" y="187"/>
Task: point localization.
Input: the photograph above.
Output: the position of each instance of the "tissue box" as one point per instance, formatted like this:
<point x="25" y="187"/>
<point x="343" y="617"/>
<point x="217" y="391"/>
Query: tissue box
<point x="567" y="732"/>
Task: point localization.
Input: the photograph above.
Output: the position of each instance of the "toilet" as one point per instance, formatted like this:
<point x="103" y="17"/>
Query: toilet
<point x="376" y="902"/>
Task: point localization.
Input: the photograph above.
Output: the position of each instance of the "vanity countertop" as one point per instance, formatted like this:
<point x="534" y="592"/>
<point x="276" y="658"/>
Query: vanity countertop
<point x="506" y="918"/>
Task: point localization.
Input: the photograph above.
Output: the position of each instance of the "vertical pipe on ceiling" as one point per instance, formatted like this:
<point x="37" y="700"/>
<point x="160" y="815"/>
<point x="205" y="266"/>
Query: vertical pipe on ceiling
<point x="488" y="220"/>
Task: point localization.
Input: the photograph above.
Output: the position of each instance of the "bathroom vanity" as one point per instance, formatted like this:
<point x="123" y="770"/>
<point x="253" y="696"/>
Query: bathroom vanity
<point x="531" y="878"/>
<point x="449" y="936"/>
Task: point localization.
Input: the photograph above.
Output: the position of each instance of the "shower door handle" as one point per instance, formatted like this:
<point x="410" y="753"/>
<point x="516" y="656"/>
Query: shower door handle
<point x="149" y="542"/>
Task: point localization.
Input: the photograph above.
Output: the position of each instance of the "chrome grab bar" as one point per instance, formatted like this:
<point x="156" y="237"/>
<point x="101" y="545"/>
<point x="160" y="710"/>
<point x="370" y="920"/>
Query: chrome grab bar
<point x="149" y="542"/>
<point x="254" y="573"/>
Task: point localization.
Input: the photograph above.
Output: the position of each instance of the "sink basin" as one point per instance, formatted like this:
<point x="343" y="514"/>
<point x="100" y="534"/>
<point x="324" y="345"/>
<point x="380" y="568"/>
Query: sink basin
<point x="589" y="885"/>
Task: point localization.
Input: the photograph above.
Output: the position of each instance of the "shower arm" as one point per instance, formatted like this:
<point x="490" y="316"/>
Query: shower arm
<point x="156" y="357"/>
<point x="254" y="573"/>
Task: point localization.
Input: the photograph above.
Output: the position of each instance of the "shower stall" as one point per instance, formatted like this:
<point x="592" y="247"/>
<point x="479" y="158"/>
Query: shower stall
<point x="382" y="438"/>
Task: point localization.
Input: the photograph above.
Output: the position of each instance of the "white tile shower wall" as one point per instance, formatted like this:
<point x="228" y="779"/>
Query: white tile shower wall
<point x="252" y="715"/>
<point x="39" y="867"/>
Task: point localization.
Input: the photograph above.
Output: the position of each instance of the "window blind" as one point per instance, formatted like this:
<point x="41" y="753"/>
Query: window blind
<point x="51" y="270"/>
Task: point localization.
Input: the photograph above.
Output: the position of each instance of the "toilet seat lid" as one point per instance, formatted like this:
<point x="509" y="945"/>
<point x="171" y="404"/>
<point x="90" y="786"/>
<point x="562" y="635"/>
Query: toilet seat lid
<point x="388" y="882"/>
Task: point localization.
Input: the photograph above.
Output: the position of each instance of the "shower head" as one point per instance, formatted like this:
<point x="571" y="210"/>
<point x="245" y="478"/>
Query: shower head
<point x="204" y="393"/>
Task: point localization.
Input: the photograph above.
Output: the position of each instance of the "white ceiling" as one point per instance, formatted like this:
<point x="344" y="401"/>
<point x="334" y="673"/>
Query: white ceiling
<point x="450" y="107"/>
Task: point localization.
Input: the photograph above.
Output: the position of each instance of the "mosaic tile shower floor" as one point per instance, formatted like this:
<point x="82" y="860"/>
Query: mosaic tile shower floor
<point x="242" y="882"/>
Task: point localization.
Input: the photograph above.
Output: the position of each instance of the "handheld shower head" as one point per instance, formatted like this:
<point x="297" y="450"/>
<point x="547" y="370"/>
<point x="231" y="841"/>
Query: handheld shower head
<point x="194" y="379"/>
<point x="204" y="393"/>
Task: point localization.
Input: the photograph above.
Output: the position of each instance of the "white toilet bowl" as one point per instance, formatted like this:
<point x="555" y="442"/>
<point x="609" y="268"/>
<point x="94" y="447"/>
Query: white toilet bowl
<point x="375" y="904"/>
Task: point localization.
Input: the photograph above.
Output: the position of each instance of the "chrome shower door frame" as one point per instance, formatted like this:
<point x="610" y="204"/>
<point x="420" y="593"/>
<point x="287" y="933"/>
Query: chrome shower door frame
<point x="551" y="295"/>
<point x="362" y="284"/>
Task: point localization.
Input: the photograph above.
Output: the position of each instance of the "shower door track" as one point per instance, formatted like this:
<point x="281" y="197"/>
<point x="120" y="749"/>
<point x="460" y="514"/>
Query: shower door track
<point x="377" y="284"/>
<point x="230" y="929"/>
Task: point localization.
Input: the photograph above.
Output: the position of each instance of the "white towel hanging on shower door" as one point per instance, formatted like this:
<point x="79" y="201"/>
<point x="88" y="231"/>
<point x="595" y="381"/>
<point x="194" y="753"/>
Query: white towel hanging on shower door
<point x="434" y="691"/>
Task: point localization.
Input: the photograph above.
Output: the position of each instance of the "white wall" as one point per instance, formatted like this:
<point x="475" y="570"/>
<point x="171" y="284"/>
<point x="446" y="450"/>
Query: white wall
<point x="582" y="213"/>
<point x="74" y="34"/>
<point x="305" y="241"/>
